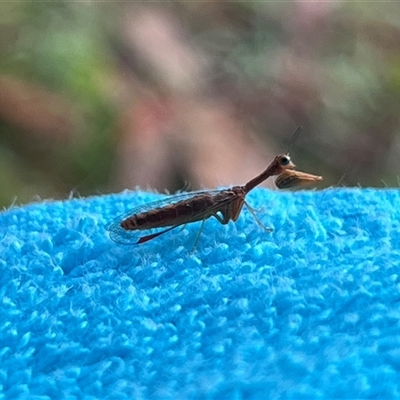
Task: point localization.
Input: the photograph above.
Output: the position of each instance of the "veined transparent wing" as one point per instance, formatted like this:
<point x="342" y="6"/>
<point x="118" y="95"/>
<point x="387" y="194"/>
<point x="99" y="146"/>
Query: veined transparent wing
<point x="123" y="236"/>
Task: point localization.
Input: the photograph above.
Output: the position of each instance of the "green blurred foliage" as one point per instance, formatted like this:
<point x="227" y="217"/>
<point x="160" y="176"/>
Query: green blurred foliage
<point x="332" y="67"/>
<point x="62" y="48"/>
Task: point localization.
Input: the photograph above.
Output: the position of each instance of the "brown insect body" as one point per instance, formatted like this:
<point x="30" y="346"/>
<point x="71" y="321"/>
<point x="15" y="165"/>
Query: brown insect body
<point x="228" y="203"/>
<point x="224" y="205"/>
<point x="196" y="208"/>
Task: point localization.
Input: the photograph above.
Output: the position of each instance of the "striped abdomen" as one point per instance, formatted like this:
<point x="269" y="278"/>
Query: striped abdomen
<point x="188" y="210"/>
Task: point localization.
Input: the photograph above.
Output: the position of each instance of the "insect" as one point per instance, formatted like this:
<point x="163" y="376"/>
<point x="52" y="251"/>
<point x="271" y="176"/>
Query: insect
<point x="148" y="221"/>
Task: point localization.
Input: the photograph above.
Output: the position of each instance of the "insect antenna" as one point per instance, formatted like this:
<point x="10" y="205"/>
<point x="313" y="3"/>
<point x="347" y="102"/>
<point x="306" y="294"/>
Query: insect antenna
<point x="341" y="181"/>
<point x="294" y="138"/>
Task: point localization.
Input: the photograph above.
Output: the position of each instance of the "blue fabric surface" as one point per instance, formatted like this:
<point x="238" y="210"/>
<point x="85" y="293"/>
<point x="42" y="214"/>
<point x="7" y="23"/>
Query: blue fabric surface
<point x="310" y="310"/>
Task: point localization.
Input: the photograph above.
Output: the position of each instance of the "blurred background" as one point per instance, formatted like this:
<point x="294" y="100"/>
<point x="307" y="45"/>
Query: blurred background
<point x="99" y="97"/>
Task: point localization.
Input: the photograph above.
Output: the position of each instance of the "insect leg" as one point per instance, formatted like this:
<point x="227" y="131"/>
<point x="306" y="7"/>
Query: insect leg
<point x="198" y="236"/>
<point x="183" y="227"/>
<point x="252" y="212"/>
<point x="223" y="221"/>
<point x="252" y="209"/>
<point x="144" y="239"/>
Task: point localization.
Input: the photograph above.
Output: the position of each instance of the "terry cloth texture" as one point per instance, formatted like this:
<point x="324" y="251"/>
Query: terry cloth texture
<point x="309" y="310"/>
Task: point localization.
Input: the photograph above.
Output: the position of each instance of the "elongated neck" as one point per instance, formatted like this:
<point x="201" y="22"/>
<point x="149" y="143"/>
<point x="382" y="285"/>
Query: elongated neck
<point x="273" y="169"/>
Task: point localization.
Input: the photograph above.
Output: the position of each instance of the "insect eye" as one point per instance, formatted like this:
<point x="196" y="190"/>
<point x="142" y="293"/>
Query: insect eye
<point x="285" y="160"/>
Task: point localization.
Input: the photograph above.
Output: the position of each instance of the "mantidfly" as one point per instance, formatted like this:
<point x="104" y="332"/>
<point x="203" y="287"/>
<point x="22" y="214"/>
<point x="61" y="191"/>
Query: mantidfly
<point x="151" y="220"/>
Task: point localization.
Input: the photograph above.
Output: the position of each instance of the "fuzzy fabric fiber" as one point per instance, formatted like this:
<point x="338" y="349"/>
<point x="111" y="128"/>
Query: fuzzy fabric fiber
<point x="309" y="310"/>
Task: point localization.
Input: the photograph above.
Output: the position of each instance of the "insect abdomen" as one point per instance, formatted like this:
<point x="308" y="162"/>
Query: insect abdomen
<point x="189" y="210"/>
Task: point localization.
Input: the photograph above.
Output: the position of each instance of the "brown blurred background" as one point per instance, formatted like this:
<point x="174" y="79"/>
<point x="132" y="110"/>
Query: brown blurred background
<point x="98" y="97"/>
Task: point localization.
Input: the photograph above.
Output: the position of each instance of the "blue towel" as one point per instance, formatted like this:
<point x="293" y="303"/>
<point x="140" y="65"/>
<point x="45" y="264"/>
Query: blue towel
<point x="309" y="310"/>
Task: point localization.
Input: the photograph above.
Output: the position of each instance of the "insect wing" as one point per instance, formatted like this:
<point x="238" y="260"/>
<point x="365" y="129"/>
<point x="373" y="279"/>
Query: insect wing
<point x="123" y="236"/>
